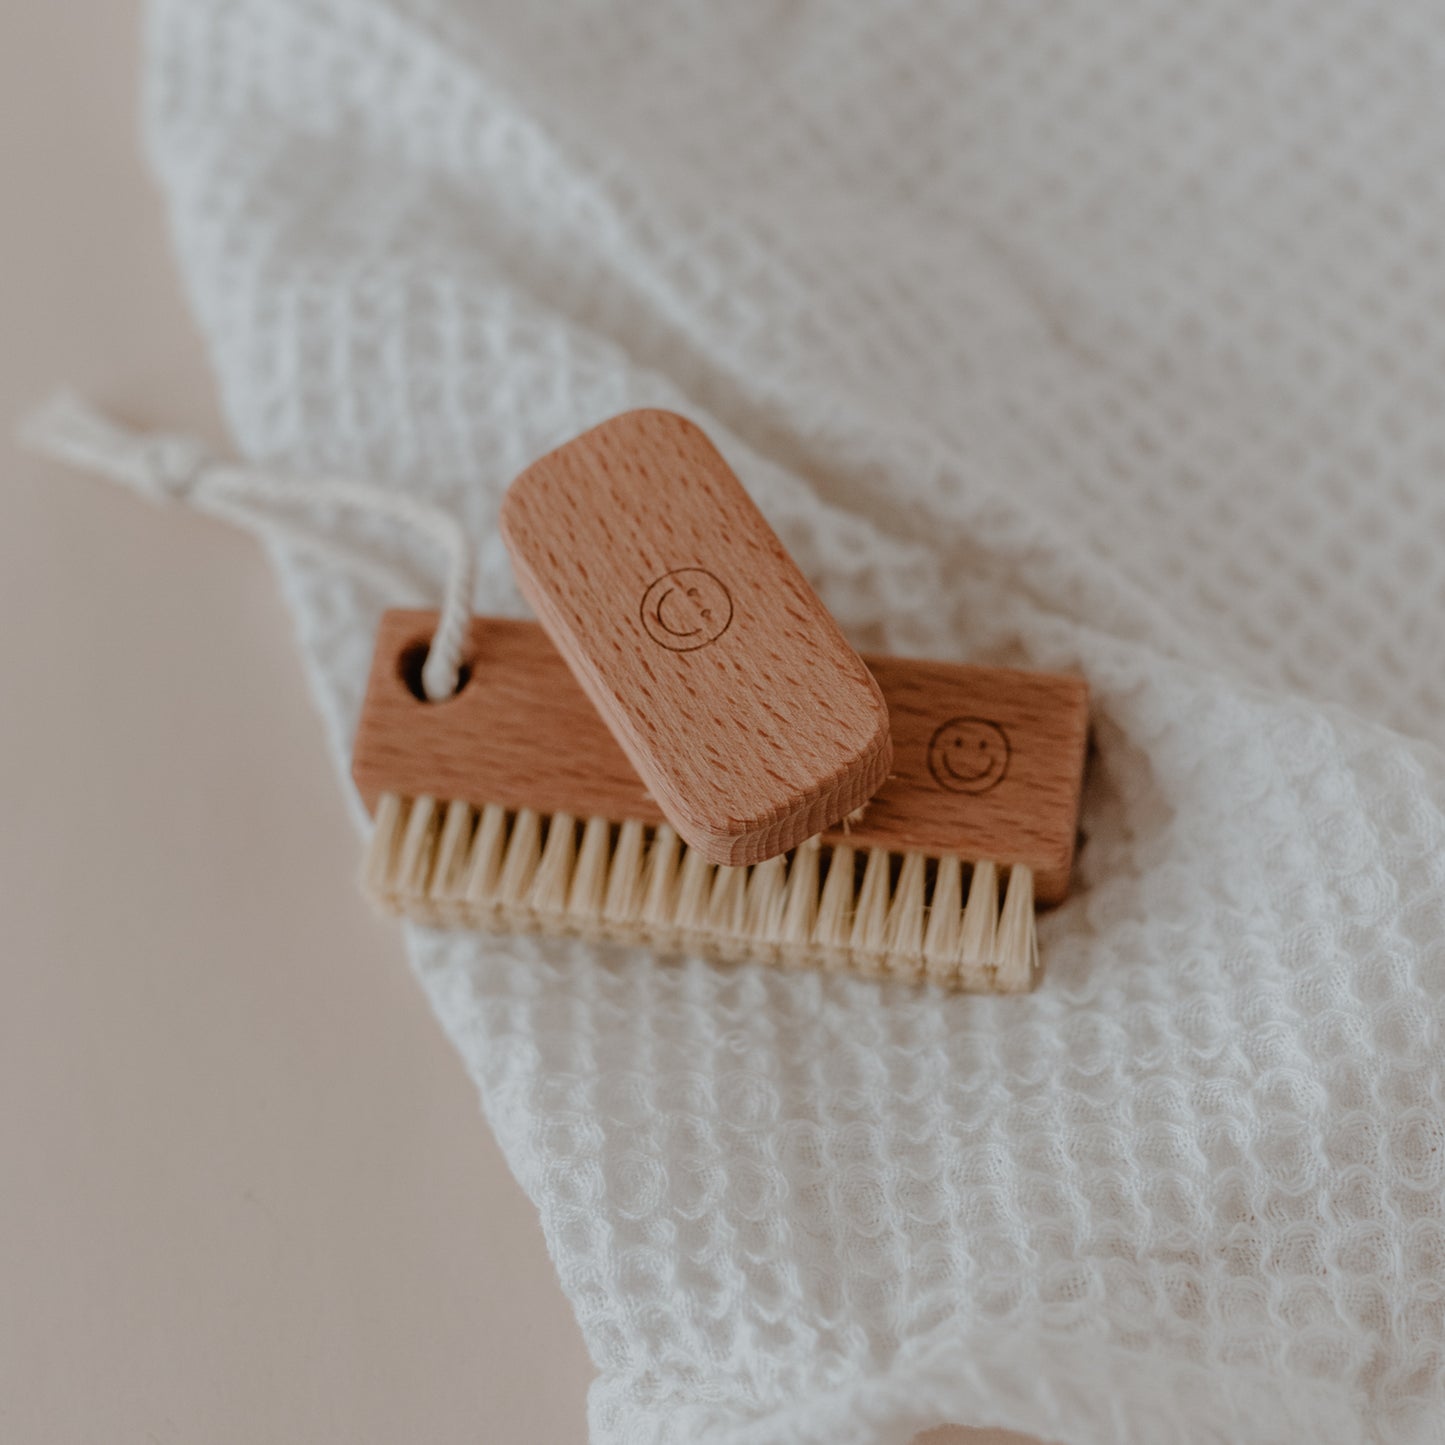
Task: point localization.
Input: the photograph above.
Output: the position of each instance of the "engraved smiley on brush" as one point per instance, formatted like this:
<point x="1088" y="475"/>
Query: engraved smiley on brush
<point x="969" y="755"/>
<point x="686" y="609"/>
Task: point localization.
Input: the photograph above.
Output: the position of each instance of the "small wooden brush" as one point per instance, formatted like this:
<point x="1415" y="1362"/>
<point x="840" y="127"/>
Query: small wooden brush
<point x="699" y="641"/>
<point x="505" y="802"/>
<point x="511" y="808"/>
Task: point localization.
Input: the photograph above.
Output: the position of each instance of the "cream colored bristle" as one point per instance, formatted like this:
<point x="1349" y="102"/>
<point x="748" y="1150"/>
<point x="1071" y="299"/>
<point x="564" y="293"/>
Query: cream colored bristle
<point x="1017" y="949"/>
<point x="767" y="894"/>
<point x="945" y="922"/>
<point x="870" y="914"/>
<point x="451" y="865"/>
<point x="484" y="868"/>
<point x="833" y="925"/>
<point x="588" y="890"/>
<point x="800" y="904"/>
<point x="622" y="906"/>
<point x="519" y="867"/>
<point x="980" y="927"/>
<point x="694" y="893"/>
<point x="379" y="871"/>
<point x="418" y="847"/>
<point x="449" y="872"/>
<point x="903" y="938"/>
<point x="547" y="897"/>
<point x="727" y="911"/>
<point x="659" y="898"/>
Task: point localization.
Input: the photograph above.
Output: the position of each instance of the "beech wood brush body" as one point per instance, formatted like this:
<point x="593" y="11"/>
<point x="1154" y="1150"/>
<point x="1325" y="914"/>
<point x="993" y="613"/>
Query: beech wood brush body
<point x="511" y="807"/>
<point x="702" y="646"/>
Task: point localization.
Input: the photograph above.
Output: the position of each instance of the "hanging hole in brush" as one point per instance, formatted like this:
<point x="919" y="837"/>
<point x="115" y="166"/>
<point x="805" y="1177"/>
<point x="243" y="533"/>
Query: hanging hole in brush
<point x="410" y="665"/>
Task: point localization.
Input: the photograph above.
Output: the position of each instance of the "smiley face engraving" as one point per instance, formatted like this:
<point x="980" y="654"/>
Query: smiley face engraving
<point x="686" y="609"/>
<point x="969" y="755"/>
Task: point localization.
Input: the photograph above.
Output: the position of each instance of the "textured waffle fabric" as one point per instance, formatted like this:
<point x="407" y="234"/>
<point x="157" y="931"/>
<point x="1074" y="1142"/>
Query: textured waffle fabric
<point x="1103" y="337"/>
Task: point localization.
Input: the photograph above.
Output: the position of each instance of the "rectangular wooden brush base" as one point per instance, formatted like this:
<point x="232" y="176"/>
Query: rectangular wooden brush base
<point x="509" y="808"/>
<point x="987" y="762"/>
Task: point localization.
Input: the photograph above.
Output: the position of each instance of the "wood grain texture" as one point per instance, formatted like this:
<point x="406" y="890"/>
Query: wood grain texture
<point x="703" y="647"/>
<point x="988" y="762"/>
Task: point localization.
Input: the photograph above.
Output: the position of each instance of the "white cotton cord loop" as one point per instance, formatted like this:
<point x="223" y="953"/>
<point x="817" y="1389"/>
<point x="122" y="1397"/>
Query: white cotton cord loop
<point x="162" y="468"/>
<point x="172" y="468"/>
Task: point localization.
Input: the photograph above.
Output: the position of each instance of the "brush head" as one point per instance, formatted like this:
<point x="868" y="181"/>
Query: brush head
<point x="510" y="807"/>
<point x="988" y="762"/>
<point x="722" y="677"/>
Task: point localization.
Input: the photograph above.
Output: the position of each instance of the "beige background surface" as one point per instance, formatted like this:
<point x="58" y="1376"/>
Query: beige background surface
<point x="247" y="1195"/>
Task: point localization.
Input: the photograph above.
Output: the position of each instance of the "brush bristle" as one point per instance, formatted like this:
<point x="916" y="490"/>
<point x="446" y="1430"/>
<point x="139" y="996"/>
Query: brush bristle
<point x="879" y="914"/>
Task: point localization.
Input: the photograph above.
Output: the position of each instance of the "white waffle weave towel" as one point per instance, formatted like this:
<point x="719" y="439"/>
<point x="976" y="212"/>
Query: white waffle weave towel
<point x="1073" y="335"/>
